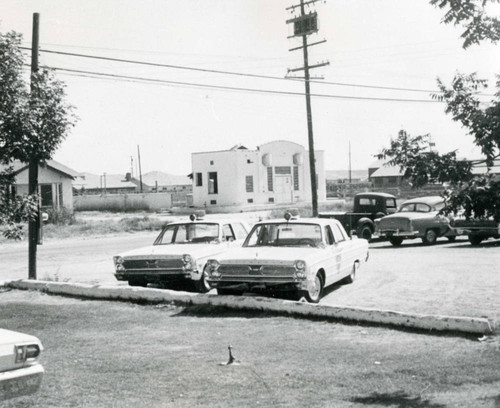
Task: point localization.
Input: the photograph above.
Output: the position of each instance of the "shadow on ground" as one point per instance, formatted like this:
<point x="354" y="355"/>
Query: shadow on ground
<point x="397" y="399"/>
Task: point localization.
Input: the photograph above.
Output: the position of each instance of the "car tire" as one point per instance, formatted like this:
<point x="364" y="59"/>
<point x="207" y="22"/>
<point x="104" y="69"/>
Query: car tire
<point x="475" y="239"/>
<point x="314" y="295"/>
<point x="430" y="237"/>
<point x="202" y="285"/>
<point x="365" y="232"/>
<point x="396" y="241"/>
<point x="233" y="292"/>
<point x="352" y="276"/>
<point x="138" y="283"/>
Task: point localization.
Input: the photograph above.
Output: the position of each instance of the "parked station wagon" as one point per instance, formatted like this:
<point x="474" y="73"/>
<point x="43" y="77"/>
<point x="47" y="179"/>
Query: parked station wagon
<point x="417" y="218"/>
<point x="180" y="252"/>
<point x="302" y="256"/>
<point x="20" y="371"/>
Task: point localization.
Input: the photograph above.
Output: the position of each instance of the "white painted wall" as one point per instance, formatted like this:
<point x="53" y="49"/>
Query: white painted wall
<point x="232" y="167"/>
<point x="48" y="176"/>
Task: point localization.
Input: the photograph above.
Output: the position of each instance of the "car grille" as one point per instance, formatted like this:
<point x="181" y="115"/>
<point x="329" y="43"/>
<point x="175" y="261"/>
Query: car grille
<point x="394" y="224"/>
<point x="257" y="273"/>
<point x="159" y="264"/>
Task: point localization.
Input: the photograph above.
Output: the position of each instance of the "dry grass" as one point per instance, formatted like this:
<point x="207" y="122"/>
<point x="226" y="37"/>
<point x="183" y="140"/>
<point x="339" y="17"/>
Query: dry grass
<point x="103" y="354"/>
<point x="99" y="227"/>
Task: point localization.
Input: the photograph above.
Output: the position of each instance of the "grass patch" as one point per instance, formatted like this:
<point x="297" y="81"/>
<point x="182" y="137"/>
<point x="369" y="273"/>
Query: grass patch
<point x="66" y="228"/>
<point x="101" y="354"/>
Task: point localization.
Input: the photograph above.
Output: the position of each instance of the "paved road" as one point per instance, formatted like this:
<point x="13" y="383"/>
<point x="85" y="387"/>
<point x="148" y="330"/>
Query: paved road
<point x="448" y="278"/>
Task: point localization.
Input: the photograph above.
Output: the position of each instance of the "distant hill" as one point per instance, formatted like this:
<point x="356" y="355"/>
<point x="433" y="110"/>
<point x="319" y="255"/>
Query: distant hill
<point x="344" y="174"/>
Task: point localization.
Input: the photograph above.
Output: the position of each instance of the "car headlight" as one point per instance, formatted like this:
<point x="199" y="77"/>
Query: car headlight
<point x="300" y="269"/>
<point x="188" y="261"/>
<point x="26" y="352"/>
<point x="212" y="267"/>
<point x="119" y="263"/>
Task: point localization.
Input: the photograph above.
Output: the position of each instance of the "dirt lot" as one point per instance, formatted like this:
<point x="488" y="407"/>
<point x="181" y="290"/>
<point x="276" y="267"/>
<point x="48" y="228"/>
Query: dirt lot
<point x="112" y="354"/>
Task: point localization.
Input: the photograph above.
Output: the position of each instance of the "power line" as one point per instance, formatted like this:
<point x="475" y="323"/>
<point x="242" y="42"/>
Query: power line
<point x="128" y="61"/>
<point x="231" y="88"/>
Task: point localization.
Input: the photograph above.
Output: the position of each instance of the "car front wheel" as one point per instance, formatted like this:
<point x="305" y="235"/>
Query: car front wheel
<point x="430" y="237"/>
<point x="314" y="293"/>
<point x="475" y="239"/>
<point x="396" y="241"/>
<point x="202" y="285"/>
<point x="352" y="276"/>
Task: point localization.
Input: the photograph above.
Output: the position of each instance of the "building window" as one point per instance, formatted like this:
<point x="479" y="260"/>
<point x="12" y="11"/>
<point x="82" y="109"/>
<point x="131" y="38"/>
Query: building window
<point x="282" y="170"/>
<point x="271" y="199"/>
<point x="212" y="183"/>
<point x="295" y="178"/>
<point x="211" y="162"/>
<point x="249" y="184"/>
<point x="46" y="195"/>
<point x="250" y="200"/>
<point x="270" y="179"/>
<point x="213" y="202"/>
<point x="199" y="179"/>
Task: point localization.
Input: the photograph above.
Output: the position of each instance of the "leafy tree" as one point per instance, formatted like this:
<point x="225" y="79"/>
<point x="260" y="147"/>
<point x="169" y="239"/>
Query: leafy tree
<point x="477" y="195"/>
<point x="34" y="120"/>
<point x="472" y="16"/>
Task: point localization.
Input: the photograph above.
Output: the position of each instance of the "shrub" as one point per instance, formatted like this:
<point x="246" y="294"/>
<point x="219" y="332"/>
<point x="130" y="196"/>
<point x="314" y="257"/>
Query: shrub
<point x="60" y="216"/>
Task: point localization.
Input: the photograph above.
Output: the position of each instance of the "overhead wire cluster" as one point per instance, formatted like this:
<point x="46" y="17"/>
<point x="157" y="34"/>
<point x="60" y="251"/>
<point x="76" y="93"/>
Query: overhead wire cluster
<point x="142" y="79"/>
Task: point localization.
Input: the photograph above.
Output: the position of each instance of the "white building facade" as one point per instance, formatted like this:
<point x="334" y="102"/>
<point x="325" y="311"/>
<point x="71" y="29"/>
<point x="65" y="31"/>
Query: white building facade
<point x="276" y="172"/>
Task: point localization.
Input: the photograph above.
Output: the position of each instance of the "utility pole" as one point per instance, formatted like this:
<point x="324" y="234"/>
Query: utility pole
<point x="304" y="25"/>
<point x="140" y="170"/>
<point x="33" y="224"/>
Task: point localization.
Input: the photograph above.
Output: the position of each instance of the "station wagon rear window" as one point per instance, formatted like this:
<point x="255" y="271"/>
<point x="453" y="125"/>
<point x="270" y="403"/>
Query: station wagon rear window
<point x="190" y="233"/>
<point x="284" y="234"/>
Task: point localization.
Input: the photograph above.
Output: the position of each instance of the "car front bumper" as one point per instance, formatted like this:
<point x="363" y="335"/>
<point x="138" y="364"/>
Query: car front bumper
<point x="20" y="382"/>
<point x="398" y="233"/>
<point x="158" y="276"/>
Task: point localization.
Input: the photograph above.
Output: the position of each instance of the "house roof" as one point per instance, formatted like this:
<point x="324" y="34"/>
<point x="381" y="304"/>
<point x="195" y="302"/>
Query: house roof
<point x="91" y="181"/>
<point x="52" y="164"/>
<point x="387" y="171"/>
<point x="164" y="179"/>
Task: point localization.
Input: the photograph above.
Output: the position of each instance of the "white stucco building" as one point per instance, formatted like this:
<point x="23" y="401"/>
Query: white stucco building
<point x="276" y="172"/>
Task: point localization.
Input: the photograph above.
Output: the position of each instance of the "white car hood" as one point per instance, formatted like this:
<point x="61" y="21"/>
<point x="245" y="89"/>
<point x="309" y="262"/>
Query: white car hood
<point x="12" y="337"/>
<point x="173" y="250"/>
<point x="267" y="254"/>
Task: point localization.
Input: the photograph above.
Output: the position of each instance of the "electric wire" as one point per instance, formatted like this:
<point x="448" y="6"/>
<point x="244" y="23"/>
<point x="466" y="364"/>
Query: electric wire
<point x="205" y="70"/>
<point x="232" y="88"/>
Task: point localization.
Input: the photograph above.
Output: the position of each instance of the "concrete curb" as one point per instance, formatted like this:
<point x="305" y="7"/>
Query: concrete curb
<point x="475" y="325"/>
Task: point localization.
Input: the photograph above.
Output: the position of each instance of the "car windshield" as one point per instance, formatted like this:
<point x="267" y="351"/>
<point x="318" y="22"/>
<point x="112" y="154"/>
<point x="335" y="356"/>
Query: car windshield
<point x="189" y="233"/>
<point x="415" y="207"/>
<point x="284" y="234"/>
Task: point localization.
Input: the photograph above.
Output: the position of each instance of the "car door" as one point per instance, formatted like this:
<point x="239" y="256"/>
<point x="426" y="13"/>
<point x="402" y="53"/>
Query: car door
<point x="333" y="263"/>
<point x="344" y="245"/>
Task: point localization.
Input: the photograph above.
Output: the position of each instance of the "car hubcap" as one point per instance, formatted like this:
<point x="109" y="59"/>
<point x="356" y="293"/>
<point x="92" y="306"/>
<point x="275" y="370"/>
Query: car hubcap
<point x="315" y="290"/>
<point x="431" y="236"/>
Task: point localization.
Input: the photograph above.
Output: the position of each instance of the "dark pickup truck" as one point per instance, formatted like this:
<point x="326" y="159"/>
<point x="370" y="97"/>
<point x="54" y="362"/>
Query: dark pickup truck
<point x="477" y="230"/>
<point x="367" y="208"/>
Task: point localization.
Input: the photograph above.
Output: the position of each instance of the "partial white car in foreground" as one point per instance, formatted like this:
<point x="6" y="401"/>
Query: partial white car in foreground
<point x="20" y="372"/>
<point x="180" y="252"/>
<point x="296" y="255"/>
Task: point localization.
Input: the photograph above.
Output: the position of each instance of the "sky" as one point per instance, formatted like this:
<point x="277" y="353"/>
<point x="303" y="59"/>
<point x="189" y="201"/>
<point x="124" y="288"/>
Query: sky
<point x="375" y="43"/>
